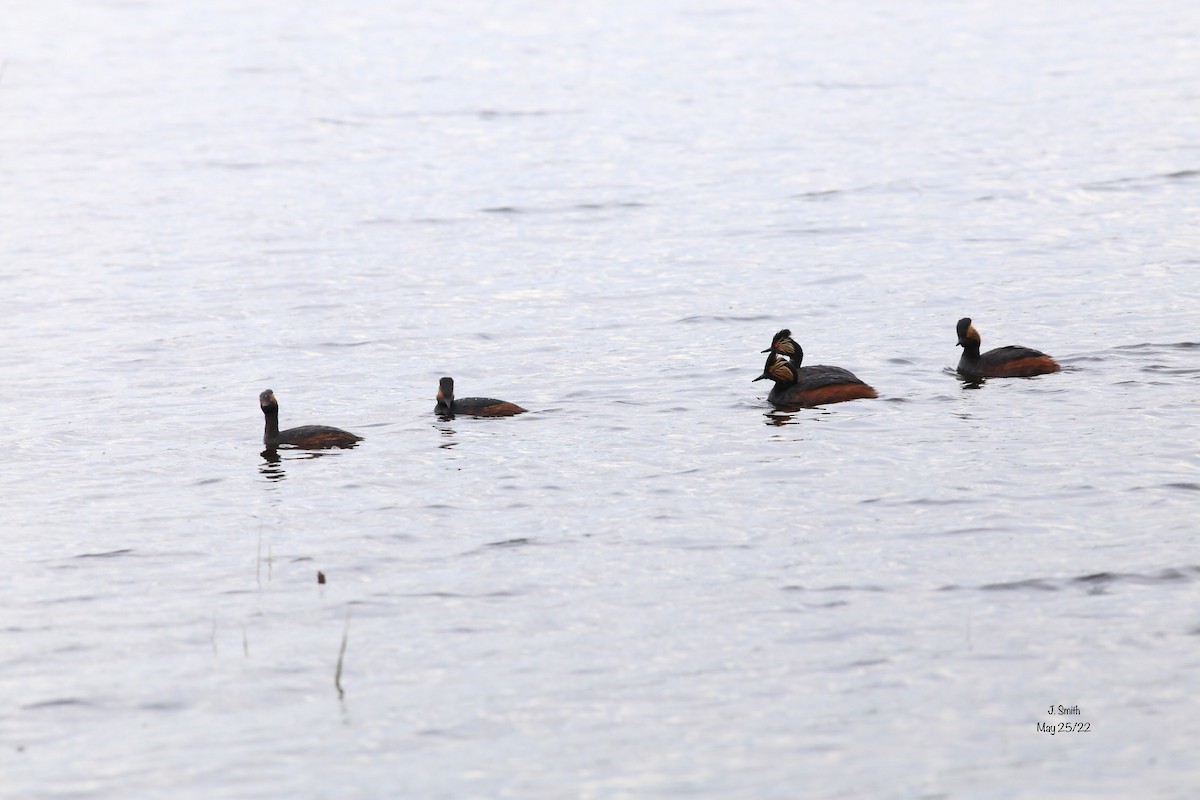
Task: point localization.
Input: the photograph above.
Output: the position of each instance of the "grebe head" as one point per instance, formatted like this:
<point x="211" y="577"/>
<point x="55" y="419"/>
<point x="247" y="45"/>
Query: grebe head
<point x="783" y="371"/>
<point x="445" y="392"/>
<point x="967" y="332"/>
<point x="778" y="370"/>
<point x="267" y="400"/>
<point x="782" y="343"/>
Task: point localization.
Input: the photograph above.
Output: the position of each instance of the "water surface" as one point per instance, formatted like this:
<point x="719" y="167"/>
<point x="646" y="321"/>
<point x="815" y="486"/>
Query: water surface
<point x="653" y="584"/>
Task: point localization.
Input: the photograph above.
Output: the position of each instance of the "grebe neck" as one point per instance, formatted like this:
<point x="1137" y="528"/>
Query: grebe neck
<point x="272" y="430"/>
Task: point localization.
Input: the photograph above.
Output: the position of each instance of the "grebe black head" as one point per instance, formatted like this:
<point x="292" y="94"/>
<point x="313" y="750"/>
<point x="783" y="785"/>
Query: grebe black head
<point x="308" y="437"/>
<point x="445" y="395"/>
<point x="781" y="371"/>
<point x="967" y="333"/>
<point x="783" y="343"/>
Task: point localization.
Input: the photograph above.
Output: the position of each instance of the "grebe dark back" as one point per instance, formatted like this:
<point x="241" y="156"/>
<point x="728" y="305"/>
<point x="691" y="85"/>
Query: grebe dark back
<point x="448" y="405"/>
<point x="308" y="437"/>
<point x="1011" y="361"/>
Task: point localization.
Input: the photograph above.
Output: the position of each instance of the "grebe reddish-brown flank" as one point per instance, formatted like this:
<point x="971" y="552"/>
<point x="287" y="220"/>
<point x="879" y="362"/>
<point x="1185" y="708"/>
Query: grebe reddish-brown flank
<point x="447" y="405"/>
<point x="810" y="386"/>
<point x="308" y="437"/>
<point x="1011" y="361"/>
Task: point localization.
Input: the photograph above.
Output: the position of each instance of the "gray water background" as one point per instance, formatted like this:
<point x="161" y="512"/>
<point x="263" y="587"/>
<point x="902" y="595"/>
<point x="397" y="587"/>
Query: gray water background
<point x="652" y="584"/>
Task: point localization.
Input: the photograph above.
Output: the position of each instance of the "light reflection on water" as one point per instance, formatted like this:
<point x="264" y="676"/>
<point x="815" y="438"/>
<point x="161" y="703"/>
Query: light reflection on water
<point x="635" y="588"/>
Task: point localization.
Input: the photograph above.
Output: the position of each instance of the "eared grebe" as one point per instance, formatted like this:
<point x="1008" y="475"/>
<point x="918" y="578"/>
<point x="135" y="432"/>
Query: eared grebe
<point x="474" y="406"/>
<point x="810" y="386"/>
<point x="1012" y="361"/>
<point x="309" y="437"/>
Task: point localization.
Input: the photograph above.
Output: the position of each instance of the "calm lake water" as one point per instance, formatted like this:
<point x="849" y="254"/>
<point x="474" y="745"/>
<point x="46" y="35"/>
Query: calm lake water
<point x="652" y="585"/>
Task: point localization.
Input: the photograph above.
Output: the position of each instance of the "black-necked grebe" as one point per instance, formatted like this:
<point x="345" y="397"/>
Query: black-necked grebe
<point x="1011" y="361"/>
<point x="473" y="406"/>
<point x="308" y="437"/>
<point x="811" y="386"/>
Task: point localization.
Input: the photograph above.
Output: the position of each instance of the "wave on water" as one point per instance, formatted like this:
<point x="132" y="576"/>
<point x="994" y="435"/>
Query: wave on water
<point x="701" y="318"/>
<point x="110" y="554"/>
<point x="59" y="703"/>
<point x="1156" y="346"/>
<point x="585" y="207"/>
<point x="1093" y="583"/>
<point x="1151" y="355"/>
<point x="1141" y="182"/>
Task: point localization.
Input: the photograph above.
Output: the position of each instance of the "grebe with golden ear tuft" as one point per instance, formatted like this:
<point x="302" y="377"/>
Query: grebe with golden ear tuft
<point x="1011" y="361"/>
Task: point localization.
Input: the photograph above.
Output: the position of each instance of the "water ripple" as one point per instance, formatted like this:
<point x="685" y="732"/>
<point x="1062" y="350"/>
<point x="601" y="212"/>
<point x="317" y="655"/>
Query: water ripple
<point x="1096" y="582"/>
<point x="107" y="554"/>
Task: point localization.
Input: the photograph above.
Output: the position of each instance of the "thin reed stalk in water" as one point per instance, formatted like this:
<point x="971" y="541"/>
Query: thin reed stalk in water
<point x="337" y="675"/>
